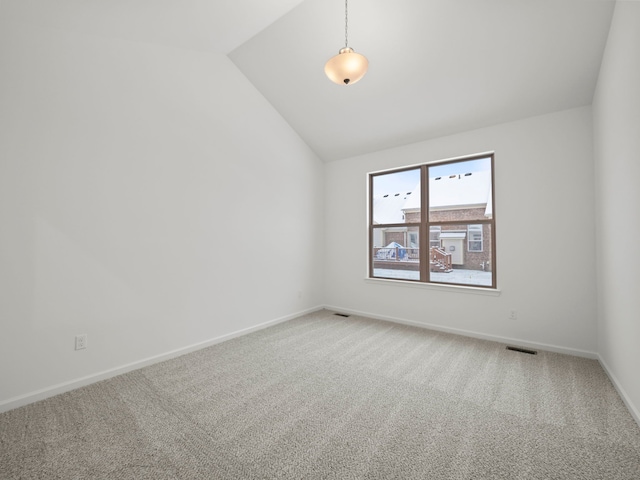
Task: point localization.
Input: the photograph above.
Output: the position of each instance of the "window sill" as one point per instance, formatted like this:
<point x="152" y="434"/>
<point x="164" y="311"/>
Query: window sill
<point x="491" y="292"/>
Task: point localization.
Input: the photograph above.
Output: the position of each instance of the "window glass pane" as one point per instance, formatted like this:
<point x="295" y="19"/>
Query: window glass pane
<point x="396" y="197"/>
<point x="454" y="262"/>
<point x="460" y="191"/>
<point x="396" y="253"/>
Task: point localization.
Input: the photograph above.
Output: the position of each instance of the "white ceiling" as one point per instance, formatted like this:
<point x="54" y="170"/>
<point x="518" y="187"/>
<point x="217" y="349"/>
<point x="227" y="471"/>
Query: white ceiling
<point x="211" y="25"/>
<point x="437" y="67"/>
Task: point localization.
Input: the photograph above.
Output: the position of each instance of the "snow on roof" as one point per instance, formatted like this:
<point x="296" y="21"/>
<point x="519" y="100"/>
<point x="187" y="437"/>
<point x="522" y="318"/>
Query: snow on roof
<point x="464" y="189"/>
<point x="413" y="203"/>
<point x="488" y="211"/>
<point x="388" y="208"/>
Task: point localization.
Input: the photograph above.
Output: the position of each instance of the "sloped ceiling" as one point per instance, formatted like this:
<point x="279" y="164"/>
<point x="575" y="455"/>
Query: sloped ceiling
<point x="210" y="25"/>
<point x="437" y="67"/>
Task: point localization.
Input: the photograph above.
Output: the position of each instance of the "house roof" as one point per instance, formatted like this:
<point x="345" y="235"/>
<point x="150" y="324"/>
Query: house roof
<point x="463" y="189"/>
<point x="387" y="208"/>
<point x="469" y="189"/>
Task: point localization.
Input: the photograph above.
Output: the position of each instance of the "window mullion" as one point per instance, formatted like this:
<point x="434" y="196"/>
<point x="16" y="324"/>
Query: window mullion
<point x="424" y="224"/>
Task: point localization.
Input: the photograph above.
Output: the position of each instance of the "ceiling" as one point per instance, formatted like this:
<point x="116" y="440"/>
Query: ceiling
<point x="436" y="67"/>
<point x="210" y="25"/>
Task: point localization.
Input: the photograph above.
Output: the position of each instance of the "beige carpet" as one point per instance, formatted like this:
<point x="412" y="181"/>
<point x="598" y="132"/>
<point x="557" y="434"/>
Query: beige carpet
<point x="326" y="397"/>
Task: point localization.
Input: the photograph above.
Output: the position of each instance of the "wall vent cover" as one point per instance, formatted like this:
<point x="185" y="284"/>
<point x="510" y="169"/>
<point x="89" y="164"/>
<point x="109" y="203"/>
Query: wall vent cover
<point x="522" y="350"/>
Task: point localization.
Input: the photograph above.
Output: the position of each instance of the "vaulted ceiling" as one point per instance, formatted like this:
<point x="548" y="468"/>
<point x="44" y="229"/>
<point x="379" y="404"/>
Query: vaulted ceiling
<point x="437" y="67"/>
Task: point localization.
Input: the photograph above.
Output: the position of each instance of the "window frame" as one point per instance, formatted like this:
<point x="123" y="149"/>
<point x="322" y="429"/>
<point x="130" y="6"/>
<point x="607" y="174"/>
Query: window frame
<point x="425" y="223"/>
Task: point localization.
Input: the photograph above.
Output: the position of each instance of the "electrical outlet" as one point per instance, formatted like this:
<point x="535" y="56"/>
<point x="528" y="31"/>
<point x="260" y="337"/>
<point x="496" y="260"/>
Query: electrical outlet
<point x="81" y="341"/>
<point x="513" y="315"/>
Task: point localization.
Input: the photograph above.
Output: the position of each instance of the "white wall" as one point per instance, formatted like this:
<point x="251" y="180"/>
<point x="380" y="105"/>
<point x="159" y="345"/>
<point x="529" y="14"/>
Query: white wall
<point x="617" y="156"/>
<point x="545" y="236"/>
<point x="149" y="197"/>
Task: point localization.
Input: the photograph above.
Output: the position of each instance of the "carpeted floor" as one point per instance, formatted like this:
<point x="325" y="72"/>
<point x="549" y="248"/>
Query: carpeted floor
<point x="326" y="397"/>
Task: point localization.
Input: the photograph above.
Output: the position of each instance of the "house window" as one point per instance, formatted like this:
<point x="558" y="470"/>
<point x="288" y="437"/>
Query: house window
<point x="434" y="223"/>
<point x="474" y="235"/>
<point x="434" y="235"/>
<point x="413" y="239"/>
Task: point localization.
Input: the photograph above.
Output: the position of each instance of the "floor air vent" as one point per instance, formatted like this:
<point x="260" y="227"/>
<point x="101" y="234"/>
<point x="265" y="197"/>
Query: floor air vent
<point x="342" y="315"/>
<point x="522" y="350"/>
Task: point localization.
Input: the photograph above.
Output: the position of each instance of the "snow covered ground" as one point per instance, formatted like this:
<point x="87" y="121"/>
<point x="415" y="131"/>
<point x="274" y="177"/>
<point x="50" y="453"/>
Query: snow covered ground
<point x="466" y="277"/>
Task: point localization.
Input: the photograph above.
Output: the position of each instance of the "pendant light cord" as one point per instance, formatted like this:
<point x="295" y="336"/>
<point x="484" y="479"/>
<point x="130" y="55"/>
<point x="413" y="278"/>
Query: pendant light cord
<point x="346" y="22"/>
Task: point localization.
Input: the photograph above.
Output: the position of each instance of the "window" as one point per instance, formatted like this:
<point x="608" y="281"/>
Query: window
<point x="474" y="234"/>
<point x="413" y="239"/>
<point x="434" y="223"/>
<point x="434" y="235"/>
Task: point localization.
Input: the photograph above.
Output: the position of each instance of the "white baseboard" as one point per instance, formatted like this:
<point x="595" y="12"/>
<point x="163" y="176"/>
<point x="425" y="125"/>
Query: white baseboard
<point x="53" y="390"/>
<point x="468" y="333"/>
<point x="635" y="413"/>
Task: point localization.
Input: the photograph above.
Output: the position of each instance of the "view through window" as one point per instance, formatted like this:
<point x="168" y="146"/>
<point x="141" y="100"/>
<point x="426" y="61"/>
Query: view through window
<point x="434" y="223"/>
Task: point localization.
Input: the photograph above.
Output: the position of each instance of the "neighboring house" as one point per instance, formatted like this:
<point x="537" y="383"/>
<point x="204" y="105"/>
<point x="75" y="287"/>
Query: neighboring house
<point x="461" y="197"/>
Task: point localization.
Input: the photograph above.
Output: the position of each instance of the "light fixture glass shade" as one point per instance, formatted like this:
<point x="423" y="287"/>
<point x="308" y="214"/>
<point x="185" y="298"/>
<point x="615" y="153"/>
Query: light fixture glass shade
<point x="347" y="67"/>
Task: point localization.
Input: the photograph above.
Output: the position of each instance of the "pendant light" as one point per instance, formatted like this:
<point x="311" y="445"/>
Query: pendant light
<point x="347" y="67"/>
